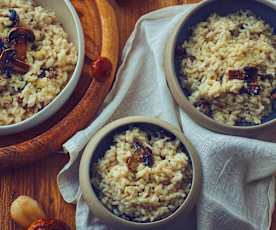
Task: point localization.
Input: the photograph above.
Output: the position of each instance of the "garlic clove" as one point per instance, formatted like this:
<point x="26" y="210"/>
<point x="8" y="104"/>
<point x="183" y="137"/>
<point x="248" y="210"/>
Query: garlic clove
<point x="25" y="210"/>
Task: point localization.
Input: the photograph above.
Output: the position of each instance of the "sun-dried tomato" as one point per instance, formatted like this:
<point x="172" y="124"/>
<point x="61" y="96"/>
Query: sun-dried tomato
<point x="236" y="74"/>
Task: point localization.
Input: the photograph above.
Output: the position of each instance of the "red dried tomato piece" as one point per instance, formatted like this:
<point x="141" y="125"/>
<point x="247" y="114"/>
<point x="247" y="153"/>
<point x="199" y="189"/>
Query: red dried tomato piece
<point x="236" y="74"/>
<point x="101" y="68"/>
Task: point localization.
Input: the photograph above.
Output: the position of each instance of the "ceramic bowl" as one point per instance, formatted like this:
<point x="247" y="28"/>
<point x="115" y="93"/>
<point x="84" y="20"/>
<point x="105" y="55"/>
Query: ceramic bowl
<point x="70" y="21"/>
<point x="102" y="141"/>
<point x="262" y="8"/>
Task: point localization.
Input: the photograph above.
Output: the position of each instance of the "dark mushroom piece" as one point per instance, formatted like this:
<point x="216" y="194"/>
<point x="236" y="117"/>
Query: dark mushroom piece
<point x="204" y="107"/>
<point x="19" y="37"/>
<point x="253" y="89"/>
<point x="14" y="18"/>
<point x="142" y="154"/>
<point x="9" y="62"/>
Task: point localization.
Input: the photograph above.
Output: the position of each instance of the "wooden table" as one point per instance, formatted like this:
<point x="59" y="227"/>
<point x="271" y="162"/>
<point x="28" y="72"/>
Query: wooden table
<point x="39" y="180"/>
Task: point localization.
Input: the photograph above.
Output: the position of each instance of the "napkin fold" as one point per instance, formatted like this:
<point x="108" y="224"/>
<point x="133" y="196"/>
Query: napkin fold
<point x="238" y="186"/>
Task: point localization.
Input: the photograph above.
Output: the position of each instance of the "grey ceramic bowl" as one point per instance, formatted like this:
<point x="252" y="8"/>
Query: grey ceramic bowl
<point x="98" y="146"/>
<point x="262" y="8"/>
<point x="67" y="15"/>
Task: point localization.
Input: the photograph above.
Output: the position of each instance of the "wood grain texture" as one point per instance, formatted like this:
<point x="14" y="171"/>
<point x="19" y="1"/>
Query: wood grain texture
<point x="51" y="139"/>
<point x="39" y="179"/>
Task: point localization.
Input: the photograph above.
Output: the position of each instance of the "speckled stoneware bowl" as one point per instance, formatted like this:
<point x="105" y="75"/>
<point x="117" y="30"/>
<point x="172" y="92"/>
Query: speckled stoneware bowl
<point x="98" y="146"/>
<point x="262" y="8"/>
<point x="69" y="18"/>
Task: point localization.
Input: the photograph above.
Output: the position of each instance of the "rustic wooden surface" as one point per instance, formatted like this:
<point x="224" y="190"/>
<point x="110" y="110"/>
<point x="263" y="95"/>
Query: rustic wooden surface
<point x="39" y="179"/>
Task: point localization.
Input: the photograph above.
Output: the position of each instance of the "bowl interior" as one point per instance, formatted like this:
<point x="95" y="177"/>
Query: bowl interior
<point x="70" y="22"/>
<point x="222" y="8"/>
<point x="107" y="141"/>
<point x="64" y="16"/>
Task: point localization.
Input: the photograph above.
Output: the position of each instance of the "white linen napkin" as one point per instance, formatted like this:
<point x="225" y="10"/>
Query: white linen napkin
<point x="238" y="186"/>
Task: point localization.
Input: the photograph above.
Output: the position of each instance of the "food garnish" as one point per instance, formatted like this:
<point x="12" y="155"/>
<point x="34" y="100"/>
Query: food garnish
<point x="25" y="210"/>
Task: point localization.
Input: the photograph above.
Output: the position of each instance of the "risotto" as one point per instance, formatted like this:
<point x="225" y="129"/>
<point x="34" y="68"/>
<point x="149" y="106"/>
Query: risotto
<point x="143" y="177"/>
<point x="228" y="68"/>
<point x="36" y="59"/>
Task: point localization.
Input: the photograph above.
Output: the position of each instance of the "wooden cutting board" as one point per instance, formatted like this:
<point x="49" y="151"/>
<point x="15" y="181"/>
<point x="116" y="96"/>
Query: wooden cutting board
<point x="102" y="39"/>
<point x="39" y="180"/>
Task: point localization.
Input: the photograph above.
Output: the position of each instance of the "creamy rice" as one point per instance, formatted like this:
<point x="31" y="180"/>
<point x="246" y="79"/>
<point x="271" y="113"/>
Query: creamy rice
<point x="51" y="57"/>
<point x="228" y="68"/>
<point x="146" y="188"/>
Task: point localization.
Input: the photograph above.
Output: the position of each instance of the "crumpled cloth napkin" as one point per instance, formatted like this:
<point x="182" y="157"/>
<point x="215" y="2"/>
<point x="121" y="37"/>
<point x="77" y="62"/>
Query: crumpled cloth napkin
<point x="238" y="186"/>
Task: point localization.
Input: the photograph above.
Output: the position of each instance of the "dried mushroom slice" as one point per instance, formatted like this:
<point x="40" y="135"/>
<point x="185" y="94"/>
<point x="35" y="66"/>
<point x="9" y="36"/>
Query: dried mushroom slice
<point x="9" y="63"/>
<point x="204" y="107"/>
<point x="148" y="157"/>
<point x="252" y="89"/>
<point x="133" y="161"/>
<point x="141" y="154"/>
<point x="14" y="18"/>
<point x="19" y="37"/>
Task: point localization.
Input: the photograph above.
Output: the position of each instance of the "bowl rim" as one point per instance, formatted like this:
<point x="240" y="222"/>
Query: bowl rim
<point x="88" y="190"/>
<point x="179" y="95"/>
<point x="53" y="106"/>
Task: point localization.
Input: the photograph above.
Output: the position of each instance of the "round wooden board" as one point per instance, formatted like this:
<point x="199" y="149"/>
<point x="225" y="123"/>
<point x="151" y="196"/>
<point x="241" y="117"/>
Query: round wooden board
<point x="102" y="39"/>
